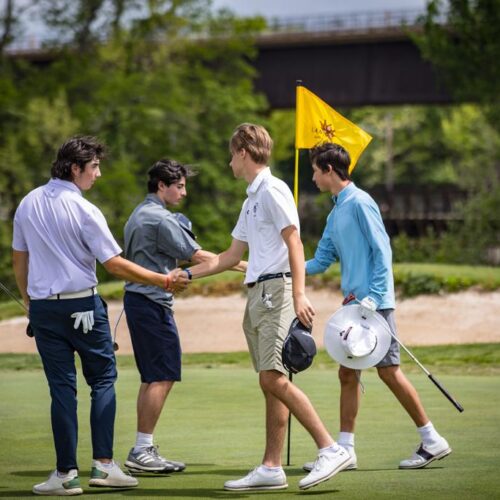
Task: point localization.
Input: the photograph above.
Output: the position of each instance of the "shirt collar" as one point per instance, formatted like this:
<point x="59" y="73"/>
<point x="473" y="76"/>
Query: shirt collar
<point x="62" y="184"/>
<point x="256" y="183"/>
<point x="153" y="198"/>
<point x="342" y="196"/>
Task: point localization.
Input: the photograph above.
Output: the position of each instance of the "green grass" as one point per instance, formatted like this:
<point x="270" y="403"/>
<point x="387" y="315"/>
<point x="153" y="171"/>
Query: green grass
<point x="214" y="421"/>
<point x="477" y="359"/>
<point x="488" y="276"/>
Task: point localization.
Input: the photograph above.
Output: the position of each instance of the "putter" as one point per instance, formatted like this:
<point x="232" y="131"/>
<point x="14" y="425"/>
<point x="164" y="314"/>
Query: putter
<point x="115" y="344"/>
<point x="29" y="331"/>
<point x="433" y="379"/>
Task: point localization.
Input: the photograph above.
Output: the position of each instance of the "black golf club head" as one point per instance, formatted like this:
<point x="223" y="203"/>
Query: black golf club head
<point x="29" y="331"/>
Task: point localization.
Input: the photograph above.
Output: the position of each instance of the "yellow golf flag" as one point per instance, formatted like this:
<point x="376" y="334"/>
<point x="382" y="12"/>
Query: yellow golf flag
<point x="316" y="122"/>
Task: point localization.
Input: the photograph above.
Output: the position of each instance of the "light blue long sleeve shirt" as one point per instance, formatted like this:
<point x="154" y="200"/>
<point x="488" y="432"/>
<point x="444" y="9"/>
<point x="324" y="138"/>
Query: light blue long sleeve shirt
<point x="355" y="235"/>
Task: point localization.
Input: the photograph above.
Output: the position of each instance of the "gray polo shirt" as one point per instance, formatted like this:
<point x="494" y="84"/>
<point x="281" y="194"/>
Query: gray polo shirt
<point x="155" y="240"/>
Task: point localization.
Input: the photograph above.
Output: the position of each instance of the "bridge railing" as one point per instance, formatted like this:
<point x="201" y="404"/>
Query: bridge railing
<point x="363" y="21"/>
<point x="353" y="21"/>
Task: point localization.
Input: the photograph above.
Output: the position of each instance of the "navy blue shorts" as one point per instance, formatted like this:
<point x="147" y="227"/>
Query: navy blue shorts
<point x="157" y="348"/>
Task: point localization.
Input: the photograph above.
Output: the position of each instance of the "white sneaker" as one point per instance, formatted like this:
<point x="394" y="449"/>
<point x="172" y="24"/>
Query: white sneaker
<point x="426" y="454"/>
<point x="308" y="466"/>
<point x="60" y="486"/>
<point x="326" y="466"/>
<point x="112" y="477"/>
<point x="259" y="479"/>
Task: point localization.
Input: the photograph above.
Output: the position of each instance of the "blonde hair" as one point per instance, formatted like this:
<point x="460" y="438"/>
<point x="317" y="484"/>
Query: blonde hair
<point x="255" y="140"/>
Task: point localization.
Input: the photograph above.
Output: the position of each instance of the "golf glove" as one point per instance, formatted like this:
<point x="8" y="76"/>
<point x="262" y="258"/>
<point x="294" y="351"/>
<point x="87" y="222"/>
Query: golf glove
<point x="368" y="307"/>
<point x="86" y="318"/>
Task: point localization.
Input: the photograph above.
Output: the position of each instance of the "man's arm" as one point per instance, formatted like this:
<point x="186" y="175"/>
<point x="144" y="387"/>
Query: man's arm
<point x="203" y="256"/>
<point x="372" y="226"/>
<point x="20" y="266"/>
<point x="228" y="259"/>
<point x="174" y="281"/>
<point x="303" y="308"/>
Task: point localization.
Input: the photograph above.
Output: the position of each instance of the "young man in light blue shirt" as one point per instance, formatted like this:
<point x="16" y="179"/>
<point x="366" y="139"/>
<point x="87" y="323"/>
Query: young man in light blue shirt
<point x="355" y="236"/>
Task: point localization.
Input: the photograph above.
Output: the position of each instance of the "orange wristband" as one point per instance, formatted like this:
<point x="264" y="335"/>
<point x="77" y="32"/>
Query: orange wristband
<point x="167" y="282"/>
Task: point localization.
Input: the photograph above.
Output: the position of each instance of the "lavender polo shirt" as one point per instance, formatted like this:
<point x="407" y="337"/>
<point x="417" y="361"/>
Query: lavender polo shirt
<point x="64" y="234"/>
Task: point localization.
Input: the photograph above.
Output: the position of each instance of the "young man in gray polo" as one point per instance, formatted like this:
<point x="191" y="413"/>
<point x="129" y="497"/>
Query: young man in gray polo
<point x="157" y="240"/>
<point x="58" y="235"/>
<point x="268" y="226"/>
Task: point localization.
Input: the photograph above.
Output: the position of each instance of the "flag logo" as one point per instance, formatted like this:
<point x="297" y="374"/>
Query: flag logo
<point x="328" y="130"/>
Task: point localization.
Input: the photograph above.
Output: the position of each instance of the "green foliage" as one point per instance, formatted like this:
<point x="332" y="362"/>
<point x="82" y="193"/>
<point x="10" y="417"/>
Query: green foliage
<point x="465" y="49"/>
<point x="172" y="80"/>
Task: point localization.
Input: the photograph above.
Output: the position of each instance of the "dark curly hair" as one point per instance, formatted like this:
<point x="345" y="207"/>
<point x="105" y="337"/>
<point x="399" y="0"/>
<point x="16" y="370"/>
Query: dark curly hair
<point x="78" y="150"/>
<point x="167" y="171"/>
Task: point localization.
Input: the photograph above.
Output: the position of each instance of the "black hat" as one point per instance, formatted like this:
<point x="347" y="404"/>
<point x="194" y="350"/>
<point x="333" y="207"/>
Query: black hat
<point x="299" y="348"/>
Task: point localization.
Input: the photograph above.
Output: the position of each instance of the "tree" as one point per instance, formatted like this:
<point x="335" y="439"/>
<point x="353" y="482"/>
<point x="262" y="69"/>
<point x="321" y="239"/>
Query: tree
<point x="466" y="49"/>
<point x="171" y="80"/>
<point x="461" y="40"/>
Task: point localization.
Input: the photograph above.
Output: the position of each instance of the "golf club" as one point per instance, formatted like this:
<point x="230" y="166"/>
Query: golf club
<point x="115" y="344"/>
<point x="452" y="400"/>
<point x="288" y="437"/>
<point x="29" y="331"/>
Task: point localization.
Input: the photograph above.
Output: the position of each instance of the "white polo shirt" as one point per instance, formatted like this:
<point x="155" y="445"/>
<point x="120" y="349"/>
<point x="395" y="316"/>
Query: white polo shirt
<point x="64" y="234"/>
<point x="268" y="210"/>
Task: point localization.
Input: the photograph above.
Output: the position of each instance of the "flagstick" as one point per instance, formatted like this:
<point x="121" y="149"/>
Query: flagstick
<point x="296" y="198"/>
<point x="296" y="178"/>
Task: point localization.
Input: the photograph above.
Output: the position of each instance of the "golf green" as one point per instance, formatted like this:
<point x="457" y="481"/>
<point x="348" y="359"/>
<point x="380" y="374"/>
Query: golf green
<point x="214" y="421"/>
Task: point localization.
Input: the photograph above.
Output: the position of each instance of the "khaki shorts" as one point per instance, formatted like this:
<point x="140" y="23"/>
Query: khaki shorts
<point x="267" y="325"/>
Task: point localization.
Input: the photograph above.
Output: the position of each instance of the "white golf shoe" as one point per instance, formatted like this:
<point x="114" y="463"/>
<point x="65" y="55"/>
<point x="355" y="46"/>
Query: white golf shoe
<point x="111" y="477"/>
<point x="308" y="466"/>
<point x="60" y="486"/>
<point x="425" y="454"/>
<point x="326" y="466"/>
<point x="259" y="479"/>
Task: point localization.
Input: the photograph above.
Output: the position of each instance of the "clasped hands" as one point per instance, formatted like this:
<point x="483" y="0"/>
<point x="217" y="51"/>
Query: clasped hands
<point x="176" y="281"/>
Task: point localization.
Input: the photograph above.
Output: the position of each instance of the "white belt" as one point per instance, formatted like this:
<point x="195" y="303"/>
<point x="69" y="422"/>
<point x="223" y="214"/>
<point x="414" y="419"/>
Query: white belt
<point x="88" y="292"/>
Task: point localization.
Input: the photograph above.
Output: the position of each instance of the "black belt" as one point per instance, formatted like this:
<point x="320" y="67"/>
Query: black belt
<point x="265" y="277"/>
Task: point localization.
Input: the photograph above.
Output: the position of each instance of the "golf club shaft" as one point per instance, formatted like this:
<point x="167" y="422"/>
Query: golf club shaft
<point x="436" y="382"/>
<point x="450" y="398"/>
<point x="115" y="344"/>
<point x="290" y="376"/>
<point x="12" y="296"/>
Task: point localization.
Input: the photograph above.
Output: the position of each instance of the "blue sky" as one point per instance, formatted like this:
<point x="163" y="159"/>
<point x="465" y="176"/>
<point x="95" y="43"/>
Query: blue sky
<point x="289" y="8"/>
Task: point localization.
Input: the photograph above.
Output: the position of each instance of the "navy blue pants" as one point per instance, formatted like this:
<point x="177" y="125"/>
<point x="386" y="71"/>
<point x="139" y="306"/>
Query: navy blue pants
<point x="155" y="339"/>
<point x="57" y="341"/>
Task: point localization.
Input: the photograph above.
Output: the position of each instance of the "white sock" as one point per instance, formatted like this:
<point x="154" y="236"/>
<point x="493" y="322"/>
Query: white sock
<point x="333" y="448"/>
<point x="142" y="441"/>
<point x="428" y="434"/>
<point x="267" y="468"/>
<point x="346" y="439"/>
<point x="107" y="465"/>
<point x="64" y="474"/>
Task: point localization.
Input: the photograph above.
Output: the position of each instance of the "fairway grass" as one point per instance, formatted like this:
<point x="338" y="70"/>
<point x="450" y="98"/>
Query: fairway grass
<point x="214" y="422"/>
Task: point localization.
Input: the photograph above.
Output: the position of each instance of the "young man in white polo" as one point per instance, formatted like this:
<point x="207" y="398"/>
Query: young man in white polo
<point x="58" y="235"/>
<point x="268" y="226"/>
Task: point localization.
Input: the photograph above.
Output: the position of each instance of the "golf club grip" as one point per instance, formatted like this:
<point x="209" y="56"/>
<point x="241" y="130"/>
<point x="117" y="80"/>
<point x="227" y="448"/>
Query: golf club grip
<point x="453" y="401"/>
